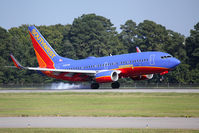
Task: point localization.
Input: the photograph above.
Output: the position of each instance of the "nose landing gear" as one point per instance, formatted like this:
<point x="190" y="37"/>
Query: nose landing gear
<point x="95" y="86"/>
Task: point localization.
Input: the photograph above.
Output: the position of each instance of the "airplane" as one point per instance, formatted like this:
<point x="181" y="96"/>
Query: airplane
<point x="108" y="69"/>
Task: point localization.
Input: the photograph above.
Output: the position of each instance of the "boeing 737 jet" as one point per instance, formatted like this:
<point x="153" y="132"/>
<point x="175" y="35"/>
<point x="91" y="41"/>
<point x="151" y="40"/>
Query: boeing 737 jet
<point x="137" y="66"/>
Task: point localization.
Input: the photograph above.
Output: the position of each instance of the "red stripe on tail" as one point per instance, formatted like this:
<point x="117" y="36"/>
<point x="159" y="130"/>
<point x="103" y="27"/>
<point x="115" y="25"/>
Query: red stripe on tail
<point x="42" y="57"/>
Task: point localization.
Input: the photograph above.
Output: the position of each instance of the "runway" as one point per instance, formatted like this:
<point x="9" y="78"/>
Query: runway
<point x="105" y="90"/>
<point x="99" y="122"/>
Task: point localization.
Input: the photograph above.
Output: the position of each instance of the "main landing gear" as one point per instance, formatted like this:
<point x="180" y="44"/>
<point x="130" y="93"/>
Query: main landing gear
<point x="114" y="85"/>
<point x="94" y="86"/>
<point x="161" y="78"/>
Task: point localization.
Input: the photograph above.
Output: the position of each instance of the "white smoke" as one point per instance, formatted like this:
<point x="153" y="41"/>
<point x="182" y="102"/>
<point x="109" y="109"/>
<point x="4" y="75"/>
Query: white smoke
<point x="61" y="85"/>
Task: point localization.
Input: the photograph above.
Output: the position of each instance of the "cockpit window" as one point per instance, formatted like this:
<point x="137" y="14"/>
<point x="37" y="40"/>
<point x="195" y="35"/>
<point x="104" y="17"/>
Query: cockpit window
<point x="164" y="57"/>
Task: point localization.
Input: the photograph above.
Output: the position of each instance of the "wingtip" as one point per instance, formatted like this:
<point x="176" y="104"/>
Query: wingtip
<point x="138" y="49"/>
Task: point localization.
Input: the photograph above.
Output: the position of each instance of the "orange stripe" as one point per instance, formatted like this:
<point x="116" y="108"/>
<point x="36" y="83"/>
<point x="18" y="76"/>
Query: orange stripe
<point x="139" y="67"/>
<point x="48" y="64"/>
<point x="41" y="62"/>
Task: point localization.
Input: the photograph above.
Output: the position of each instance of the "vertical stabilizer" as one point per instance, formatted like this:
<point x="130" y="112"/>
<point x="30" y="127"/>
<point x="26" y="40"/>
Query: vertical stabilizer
<point x="46" y="56"/>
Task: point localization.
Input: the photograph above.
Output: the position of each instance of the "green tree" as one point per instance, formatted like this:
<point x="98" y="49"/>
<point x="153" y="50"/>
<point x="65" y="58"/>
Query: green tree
<point x="151" y="36"/>
<point x="93" y="35"/>
<point x="5" y="48"/>
<point x="192" y="47"/>
<point x="175" y="45"/>
<point x="128" y="35"/>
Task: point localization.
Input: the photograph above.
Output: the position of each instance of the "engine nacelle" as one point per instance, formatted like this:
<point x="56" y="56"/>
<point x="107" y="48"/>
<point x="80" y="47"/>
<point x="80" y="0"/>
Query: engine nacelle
<point x="143" y="77"/>
<point x="106" y="76"/>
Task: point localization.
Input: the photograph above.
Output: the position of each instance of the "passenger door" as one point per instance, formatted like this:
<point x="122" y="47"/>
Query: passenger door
<point x="152" y="59"/>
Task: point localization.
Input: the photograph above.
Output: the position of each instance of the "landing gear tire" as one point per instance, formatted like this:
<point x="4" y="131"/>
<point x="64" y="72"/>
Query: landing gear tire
<point x="94" y="86"/>
<point x="161" y="79"/>
<point x="115" y="85"/>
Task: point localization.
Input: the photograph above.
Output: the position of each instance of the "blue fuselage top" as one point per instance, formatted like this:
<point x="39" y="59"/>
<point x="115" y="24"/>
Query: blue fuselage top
<point x="143" y="59"/>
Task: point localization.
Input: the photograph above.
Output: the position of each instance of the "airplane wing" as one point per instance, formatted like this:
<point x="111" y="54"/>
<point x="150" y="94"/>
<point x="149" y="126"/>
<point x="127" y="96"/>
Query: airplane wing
<point x="19" y="66"/>
<point x="61" y="70"/>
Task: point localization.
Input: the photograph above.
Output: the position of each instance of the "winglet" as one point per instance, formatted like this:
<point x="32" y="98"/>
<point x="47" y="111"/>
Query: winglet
<point x="16" y="63"/>
<point x="138" y="49"/>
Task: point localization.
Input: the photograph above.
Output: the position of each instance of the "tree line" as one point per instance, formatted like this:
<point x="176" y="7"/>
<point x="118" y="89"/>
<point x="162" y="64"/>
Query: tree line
<point x="93" y="35"/>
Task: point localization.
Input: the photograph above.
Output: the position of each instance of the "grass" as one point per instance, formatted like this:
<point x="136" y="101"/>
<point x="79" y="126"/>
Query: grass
<point x="100" y="104"/>
<point x="93" y="130"/>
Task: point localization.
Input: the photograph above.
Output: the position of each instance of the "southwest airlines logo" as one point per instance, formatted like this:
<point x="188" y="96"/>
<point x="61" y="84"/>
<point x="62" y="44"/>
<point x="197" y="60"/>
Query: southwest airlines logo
<point x="43" y="44"/>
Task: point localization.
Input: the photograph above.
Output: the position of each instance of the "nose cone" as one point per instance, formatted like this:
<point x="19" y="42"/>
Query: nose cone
<point x="174" y="63"/>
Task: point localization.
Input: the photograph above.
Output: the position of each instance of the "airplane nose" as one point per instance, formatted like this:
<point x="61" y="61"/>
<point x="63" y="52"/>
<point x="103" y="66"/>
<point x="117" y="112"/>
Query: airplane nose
<point x="175" y="62"/>
<point x="178" y="62"/>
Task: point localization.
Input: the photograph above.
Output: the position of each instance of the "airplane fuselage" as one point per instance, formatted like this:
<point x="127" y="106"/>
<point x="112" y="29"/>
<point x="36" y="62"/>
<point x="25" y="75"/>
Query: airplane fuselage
<point x="130" y="65"/>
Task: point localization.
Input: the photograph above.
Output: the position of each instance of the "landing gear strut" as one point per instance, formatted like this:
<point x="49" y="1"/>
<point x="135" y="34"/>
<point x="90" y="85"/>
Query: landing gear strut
<point x="94" y="86"/>
<point x="115" y="85"/>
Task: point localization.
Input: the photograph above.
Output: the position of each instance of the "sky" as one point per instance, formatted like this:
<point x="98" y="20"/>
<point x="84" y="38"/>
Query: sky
<point x="177" y="15"/>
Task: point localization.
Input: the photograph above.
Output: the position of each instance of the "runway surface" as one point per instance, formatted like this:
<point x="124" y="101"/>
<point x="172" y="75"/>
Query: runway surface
<point x="106" y="90"/>
<point x="99" y="122"/>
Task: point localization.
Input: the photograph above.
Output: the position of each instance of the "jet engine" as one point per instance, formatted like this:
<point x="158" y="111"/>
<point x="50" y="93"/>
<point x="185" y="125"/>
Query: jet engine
<point x="142" y="77"/>
<point x="106" y="76"/>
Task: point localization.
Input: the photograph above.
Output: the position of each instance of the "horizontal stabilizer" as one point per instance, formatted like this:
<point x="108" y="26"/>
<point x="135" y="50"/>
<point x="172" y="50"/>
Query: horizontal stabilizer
<point x="16" y="63"/>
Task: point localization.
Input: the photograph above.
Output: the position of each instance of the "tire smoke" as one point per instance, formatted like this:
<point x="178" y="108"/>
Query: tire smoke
<point x="61" y="85"/>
